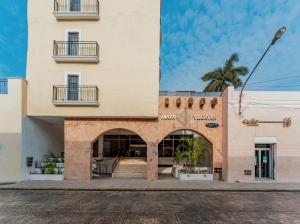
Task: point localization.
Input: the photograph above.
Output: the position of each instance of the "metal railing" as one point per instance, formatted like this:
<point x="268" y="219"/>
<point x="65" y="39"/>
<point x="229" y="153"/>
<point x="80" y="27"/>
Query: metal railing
<point x="101" y="168"/>
<point x="76" y="6"/>
<point x="3" y="86"/>
<point x="75" y="49"/>
<point x="79" y="94"/>
<point x="115" y="163"/>
<point x="188" y="93"/>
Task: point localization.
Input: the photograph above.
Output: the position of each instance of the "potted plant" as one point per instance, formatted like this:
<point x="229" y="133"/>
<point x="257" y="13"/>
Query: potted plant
<point x="193" y="151"/>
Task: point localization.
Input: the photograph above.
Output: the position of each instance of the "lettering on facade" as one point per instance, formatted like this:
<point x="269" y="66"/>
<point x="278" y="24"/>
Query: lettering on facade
<point x="286" y="122"/>
<point x="204" y="117"/>
<point x="168" y="117"/>
<point x="172" y="117"/>
<point x="212" y="125"/>
<point x="251" y="122"/>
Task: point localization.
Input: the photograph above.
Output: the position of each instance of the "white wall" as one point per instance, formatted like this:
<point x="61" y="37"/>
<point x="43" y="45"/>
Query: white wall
<point x="11" y="112"/>
<point x="40" y="138"/>
<point x="264" y="106"/>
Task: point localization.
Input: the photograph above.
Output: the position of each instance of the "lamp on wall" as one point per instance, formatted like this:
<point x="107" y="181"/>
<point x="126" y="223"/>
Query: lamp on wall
<point x="214" y="102"/>
<point x="190" y="102"/>
<point x="202" y="102"/>
<point x="167" y="102"/>
<point x="178" y="102"/>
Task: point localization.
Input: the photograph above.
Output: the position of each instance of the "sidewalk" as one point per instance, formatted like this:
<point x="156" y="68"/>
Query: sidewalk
<point x="109" y="184"/>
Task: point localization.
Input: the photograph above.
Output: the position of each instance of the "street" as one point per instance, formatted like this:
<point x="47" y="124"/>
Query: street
<point x="148" y="207"/>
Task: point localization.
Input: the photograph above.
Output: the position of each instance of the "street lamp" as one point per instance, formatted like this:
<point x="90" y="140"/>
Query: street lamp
<point x="277" y="36"/>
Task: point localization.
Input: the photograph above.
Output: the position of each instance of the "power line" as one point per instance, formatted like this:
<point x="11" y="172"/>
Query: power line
<point x="270" y="105"/>
<point x="278" y="79"/>
<point x="274" y="86"/>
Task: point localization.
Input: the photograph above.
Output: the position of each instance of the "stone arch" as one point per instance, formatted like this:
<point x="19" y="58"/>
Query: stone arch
<point x="168" y="145"/>
<point x="130" y="145"/>
<point x="121" y="129"/>
<point x="79" y="135"/>
<point x="166" y="133"/>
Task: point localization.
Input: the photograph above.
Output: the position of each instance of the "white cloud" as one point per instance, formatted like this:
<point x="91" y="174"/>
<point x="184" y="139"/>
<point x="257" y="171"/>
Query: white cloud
<point x="209" y="32"/>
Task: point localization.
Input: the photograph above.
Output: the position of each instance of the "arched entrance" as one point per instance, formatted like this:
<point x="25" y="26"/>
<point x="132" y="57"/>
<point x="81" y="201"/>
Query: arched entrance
<point x="117" y="151"/>
<point x="176" y="141"/>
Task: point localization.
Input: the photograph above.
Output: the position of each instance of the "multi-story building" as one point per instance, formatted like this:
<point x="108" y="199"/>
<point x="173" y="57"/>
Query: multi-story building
<point x="93" y="59"/>
<point x="91" y="105"/>
<point x="93" y="72"/>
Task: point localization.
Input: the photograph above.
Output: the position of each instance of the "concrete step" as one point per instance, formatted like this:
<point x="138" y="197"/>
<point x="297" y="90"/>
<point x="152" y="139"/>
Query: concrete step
<point x="131" y="168"/>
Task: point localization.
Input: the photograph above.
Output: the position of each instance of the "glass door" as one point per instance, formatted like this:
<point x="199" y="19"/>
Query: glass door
<point x="75" y="5"/>
<point x="73" y="43"/>
<point x="73" y="87"/>
<point x="264" y="162"/>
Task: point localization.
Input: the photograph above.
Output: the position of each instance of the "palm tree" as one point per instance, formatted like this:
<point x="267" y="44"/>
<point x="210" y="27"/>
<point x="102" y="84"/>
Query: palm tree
<point x="222" y="77"/>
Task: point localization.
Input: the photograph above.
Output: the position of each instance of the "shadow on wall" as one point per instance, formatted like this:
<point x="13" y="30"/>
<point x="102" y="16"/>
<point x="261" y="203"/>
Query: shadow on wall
<point x="40" y="138"/>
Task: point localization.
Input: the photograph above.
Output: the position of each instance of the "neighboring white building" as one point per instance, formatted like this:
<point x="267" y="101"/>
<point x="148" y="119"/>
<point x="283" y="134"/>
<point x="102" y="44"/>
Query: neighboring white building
<point x="12" y="111"/>
<point x="263" y="143"/>
<point x="23" y="137"/>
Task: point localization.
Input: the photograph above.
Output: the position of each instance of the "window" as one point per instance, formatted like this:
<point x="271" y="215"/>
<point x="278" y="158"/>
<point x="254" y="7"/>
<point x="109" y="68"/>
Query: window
<point x="75" y="5"/>
<point x="72" y="82"/>
<point x="73" y="43"/>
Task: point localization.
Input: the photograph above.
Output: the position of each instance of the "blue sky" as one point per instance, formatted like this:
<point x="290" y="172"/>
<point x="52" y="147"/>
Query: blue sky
<point x="198" y="36"/>
<point x="13" y="37"/>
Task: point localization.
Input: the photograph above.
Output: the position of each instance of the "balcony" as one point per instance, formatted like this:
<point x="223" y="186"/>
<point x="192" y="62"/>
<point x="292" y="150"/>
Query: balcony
<point x="76" y="9"/>
<point x="3" y="86"/>
<point x="79" y="51"/>
<point x="75" y="96"/>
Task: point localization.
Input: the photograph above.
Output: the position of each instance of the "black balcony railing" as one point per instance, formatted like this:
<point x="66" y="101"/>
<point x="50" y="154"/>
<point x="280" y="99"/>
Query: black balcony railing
<point x="75" y="49"/>
<point x="76" y="6"/>
<point x="3" y="86"/>
<point x="80" y="94"/>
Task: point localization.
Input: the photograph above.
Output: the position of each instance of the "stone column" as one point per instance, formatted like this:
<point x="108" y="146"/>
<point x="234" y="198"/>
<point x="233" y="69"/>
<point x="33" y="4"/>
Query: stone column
<point x="78" y="153"/>
<point x="78" y="161"/>
<point x="152" y="161"/>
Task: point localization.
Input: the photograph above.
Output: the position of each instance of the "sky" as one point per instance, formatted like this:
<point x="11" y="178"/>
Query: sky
<point x="13" y="38"/>
<point x="198" y="36"/>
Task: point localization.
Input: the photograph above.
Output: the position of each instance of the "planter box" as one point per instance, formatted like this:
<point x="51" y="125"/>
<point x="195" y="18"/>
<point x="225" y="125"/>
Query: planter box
<point x="187" y="176"/>
<point x="56" y="177"/>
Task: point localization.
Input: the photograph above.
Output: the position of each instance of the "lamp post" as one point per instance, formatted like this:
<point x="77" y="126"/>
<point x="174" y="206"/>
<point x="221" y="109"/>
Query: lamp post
<point x="277" y="36"/>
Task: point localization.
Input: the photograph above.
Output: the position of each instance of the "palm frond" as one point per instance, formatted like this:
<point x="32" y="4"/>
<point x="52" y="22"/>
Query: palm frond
<point x="241" y="70"/>
<point x="212" y="75"/>
<point x="230" y="62"/>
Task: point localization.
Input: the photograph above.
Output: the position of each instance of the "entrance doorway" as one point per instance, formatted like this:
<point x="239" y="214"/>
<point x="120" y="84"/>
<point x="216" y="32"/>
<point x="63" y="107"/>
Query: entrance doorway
<point x="119" y="153"/>
<point x="174" y="142"/>
<point x="264" y="161"/>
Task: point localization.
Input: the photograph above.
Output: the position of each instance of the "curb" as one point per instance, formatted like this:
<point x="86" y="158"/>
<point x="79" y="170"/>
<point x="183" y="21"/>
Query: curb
<point x="7" y="183"/>
<point x="148" y="189"/>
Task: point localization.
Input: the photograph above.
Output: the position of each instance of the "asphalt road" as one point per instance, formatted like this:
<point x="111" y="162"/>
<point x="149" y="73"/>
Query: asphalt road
<point x="148" y="207"/>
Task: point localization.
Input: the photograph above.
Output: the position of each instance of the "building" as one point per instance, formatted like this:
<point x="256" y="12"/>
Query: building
<point x="262" y="143"/>
<point x="12" y="111"/>
<point x="91" y="105"/>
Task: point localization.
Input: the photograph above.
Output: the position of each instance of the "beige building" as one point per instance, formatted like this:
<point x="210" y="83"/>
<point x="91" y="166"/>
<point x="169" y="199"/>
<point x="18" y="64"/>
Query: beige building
<point x="86" y="59"/>
<point x="91" y="106"/>
<point x="107" y="51"/>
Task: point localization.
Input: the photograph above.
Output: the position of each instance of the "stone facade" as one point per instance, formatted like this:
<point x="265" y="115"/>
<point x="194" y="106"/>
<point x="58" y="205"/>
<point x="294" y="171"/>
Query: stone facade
<point x="80" y="133"/>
